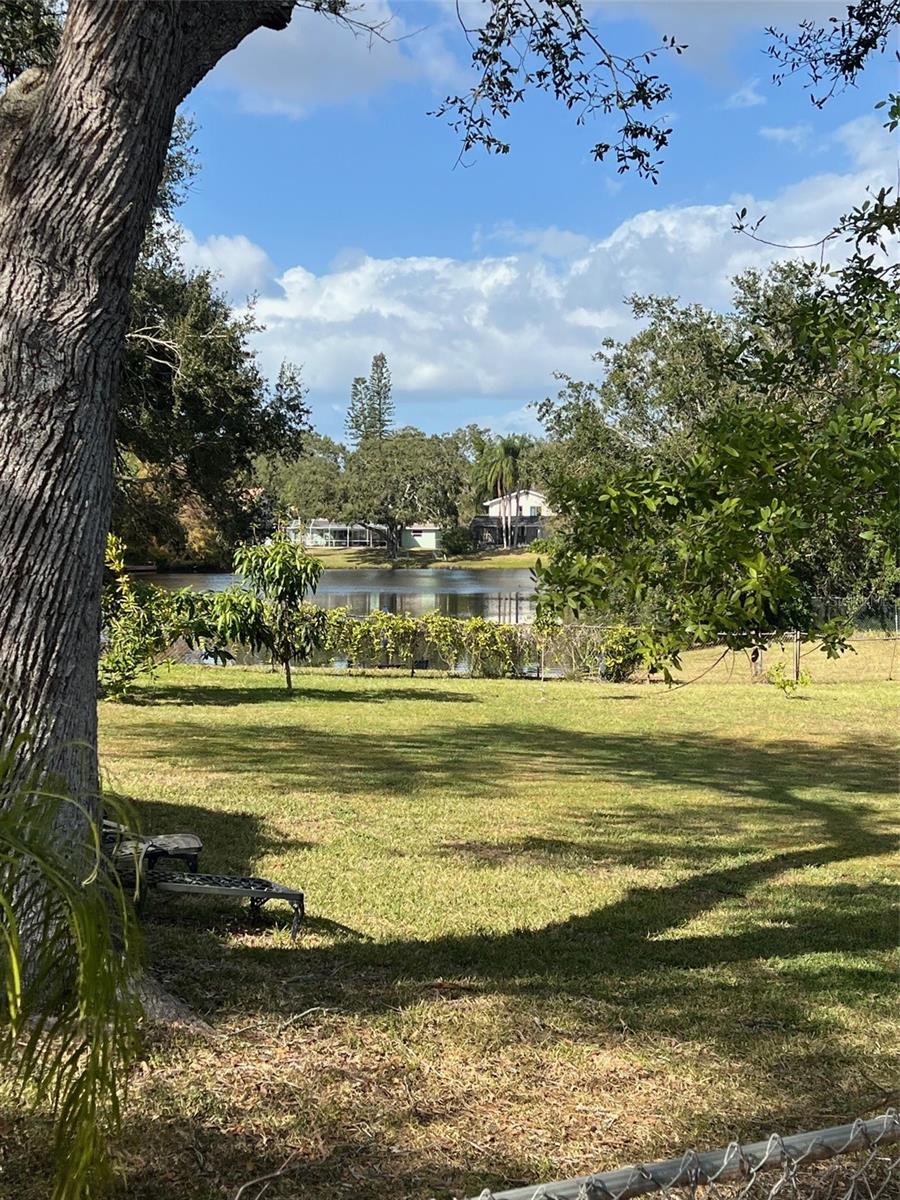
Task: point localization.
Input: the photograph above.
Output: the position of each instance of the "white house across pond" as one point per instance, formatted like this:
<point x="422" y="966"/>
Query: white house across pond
<point x="322" y="534"/>
<point x="424" y="536"/>
<point x="525" y="503"/>
<point x="524" y="512"/>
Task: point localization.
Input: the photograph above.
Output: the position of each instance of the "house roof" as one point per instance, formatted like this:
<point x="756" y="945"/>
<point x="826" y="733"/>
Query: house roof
<point x="516" y="495"/>
<point x="324" y="523"/>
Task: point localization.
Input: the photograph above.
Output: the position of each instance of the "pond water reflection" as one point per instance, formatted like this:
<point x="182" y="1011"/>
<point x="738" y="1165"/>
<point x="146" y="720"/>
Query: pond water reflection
<point x="504" y="595"/>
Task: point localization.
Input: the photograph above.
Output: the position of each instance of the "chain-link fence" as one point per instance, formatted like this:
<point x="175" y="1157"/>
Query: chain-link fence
<point x="589" y="651"/>
<point x="847" y="1162"/>
<point x="597" y="652"/>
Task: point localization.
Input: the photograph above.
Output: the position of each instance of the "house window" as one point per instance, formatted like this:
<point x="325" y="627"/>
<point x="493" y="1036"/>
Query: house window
<point x="534" y="511"/>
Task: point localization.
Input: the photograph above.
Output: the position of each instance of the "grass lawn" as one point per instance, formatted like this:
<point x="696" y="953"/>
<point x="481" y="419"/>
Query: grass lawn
<point x="551" y="928"/>
<point x="523" y="559"/>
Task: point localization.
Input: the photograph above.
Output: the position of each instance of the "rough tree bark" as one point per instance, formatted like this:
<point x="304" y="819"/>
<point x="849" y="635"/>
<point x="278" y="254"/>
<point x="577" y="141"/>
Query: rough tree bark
<point x="81" y="155"/>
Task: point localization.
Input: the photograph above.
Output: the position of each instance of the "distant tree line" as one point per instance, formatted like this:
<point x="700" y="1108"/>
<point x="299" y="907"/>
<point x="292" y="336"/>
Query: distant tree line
<point x="396" y="476"/>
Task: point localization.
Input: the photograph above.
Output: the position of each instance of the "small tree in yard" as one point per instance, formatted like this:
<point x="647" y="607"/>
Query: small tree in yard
<point x="270" y="615"/>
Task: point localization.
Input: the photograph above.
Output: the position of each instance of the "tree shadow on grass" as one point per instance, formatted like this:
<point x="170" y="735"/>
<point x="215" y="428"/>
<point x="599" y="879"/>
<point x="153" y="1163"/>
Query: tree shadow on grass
<point x="771" y="958"/>
<point x="233" y="840"/>
<point x="224" y="696"/>
<point x="494" y="759"/>
<point x="209" y="1155"/>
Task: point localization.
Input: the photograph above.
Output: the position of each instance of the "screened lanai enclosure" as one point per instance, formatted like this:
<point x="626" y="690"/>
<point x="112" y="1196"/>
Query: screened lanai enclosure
<point x="322" y="533"/>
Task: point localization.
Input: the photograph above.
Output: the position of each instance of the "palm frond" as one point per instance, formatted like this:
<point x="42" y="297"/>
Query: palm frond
<point x="68" y="959"/>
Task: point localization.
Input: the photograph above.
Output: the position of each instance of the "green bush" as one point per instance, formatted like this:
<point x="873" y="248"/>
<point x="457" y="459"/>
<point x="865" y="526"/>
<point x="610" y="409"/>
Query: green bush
<point x="493" y="650"/>
<point x="788" y="686"/>
<point x="140" y="622"/>
<point x="443" y="636"/>
<point x="619" y="650"/>
<point x="456" y="540"/>
<point x="398" y="639"/>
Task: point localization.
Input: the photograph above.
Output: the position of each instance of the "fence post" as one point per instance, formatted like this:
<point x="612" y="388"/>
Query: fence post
<point x="796" y="656"/>
<point x="757" y="663"/>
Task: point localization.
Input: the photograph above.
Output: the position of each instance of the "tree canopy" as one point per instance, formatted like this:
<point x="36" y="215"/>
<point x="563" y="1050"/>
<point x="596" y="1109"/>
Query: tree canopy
<point x="784" y="485"/>
<point x="195" y="411"/>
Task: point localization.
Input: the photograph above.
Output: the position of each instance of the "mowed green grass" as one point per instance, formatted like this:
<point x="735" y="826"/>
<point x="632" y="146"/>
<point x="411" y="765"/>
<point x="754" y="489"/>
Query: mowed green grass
<point x="552" y="927"/>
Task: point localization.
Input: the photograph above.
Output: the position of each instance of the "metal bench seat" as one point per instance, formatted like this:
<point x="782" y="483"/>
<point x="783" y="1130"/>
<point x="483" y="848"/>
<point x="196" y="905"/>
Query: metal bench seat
<point x="126" y="846"/>
<point x="257" y="891"/>
<point x="144" y="860"/>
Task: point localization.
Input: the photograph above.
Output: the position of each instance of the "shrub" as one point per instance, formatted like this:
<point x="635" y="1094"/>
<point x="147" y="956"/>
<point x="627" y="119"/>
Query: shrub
<point x="786" y="684"/>
<point x="492" y="649"/>
<point x="444" y="635"/>
<point x="140" y="622"/>
<point x="620" y="654"/>
<point x="456" y="540"/>
<point x="397" y="634"/>
<point x="385" y="638"/>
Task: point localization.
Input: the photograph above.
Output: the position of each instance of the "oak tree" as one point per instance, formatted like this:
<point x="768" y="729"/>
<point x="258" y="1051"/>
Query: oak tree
<point x="82" y="150"/>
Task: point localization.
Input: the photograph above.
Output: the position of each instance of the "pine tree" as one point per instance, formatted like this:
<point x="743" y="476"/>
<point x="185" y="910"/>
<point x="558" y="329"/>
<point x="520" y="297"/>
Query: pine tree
<point x="356" y="422"/>
<point x="370" y="413"/>
<point x="380" y="402"/>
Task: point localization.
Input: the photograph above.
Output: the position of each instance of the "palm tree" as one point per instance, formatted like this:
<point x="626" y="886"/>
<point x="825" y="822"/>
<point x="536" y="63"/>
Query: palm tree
<point x="498" y="472"/>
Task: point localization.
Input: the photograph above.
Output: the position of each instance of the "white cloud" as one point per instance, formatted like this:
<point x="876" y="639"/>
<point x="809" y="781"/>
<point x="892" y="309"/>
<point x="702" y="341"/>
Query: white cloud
<point x="867" y="143"/>
<point x="551" y="242"/>
<point x="497" y="326"/>
<point x="241" y="265"/>
<point x="747" y="95"/>
<point x="711" y="28"/>
<point x="787" y="135"/>
<point x="518" y="420"/>
<point x="318" y="60"/>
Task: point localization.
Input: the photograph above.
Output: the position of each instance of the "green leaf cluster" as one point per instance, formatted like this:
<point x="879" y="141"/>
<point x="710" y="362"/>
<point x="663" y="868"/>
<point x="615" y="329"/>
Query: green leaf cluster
<point x="785" y="489"/>
<point x="140" y="622"/>
<point x="269" y="614"/>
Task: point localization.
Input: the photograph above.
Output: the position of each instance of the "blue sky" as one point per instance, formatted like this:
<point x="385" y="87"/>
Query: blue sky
<point x="328" y="189"/>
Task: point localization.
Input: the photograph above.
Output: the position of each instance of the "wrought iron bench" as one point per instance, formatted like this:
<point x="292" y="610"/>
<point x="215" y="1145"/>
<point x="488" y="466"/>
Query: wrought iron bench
<point x="124" y="846"/>
<point x="257" y="891"/>
<point x="142" y="860"/>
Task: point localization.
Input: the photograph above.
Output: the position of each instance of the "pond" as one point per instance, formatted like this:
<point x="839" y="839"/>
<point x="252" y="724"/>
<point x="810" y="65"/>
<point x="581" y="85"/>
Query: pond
<point x="505" y="595"/>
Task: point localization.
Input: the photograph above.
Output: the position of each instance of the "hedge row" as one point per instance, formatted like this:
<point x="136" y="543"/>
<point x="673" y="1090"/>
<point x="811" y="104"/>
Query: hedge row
<point x="142" y="622"/>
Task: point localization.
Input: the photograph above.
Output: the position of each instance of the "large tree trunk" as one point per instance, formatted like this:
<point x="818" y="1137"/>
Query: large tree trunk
<point x="81" y="155"/>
